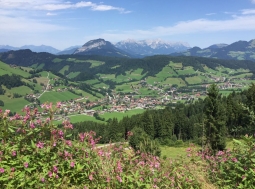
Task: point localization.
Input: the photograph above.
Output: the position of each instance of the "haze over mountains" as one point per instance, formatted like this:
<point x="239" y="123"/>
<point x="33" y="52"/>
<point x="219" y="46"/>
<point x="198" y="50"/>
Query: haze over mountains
<point x="240" y="50"/>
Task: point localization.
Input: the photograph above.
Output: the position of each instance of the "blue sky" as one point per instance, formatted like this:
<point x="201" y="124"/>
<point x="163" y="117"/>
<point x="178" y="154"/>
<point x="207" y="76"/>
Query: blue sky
<point x="61" y="23"/>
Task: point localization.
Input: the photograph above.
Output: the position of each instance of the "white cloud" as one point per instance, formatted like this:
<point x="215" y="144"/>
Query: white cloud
<point x="209" y="14"/>
<point x="50" y="14"/>
<point x="248" y="11"/>
<point x="105" y="8"/>
<point x="23" y="25"/>
<point x="54" y="5"/>
<point x="237" y="23"/>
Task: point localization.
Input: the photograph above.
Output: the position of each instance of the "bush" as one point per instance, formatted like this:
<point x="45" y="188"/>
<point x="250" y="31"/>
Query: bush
<point x="232" y="168"/>
<point x="142" y="142"/>
<point x="37" y="154"/>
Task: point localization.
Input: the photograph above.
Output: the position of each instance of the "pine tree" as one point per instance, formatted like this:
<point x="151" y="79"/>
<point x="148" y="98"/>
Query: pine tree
<point x="147" y="123"/>
<point x="215" y="120"/>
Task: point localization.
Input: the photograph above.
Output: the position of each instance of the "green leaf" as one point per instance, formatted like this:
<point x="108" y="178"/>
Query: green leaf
<point x="11" y="130"/>
<point x="237" y="141"/>
<point x="33" y="144"/>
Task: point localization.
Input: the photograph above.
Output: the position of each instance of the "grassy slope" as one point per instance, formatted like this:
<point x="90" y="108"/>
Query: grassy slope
<point x="53" y="96"/>
<point x="6" y="69"/>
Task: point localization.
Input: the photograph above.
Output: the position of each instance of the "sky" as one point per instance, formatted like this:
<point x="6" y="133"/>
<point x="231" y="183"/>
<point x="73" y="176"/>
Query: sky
<point x="61" y="23"/>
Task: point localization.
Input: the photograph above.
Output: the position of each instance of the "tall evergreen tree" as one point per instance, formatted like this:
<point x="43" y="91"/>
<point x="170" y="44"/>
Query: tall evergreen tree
<point x="215" y="120"/>
<point x="146" y="123"/>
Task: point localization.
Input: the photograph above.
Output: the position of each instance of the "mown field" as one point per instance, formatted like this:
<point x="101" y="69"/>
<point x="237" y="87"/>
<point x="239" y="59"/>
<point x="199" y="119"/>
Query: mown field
<point x="57" y="96"/>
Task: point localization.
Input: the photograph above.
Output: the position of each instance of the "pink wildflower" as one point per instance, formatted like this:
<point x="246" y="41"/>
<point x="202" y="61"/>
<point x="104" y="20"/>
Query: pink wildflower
<point x="1" y="170"/>
<point x="42" y="179"/>
<point x="59" y="104"/>
<point x="38" y="121"/>
<point x="12" y="169"/>
<point x="119" y="168"/>
<point x="14" y="153"/>
<point x="69" y="142"/>
<point x="25" y="164"/>
<point x="108" y="179"/>
<point x="40" y="144"/>
<point x="119" y="178"/>
<point x="55" y="169"/>
<point x="220" y="153"/>
<point x="91" y="177"/>
<point x="82" y="136"/>
<point x="72" y="164"/>
<point x="50" y="174"/>
<point x="32" y="125"/>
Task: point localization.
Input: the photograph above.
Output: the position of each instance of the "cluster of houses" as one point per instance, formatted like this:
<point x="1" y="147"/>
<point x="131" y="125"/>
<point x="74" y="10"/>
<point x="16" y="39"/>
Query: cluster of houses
<point x="120" y="103"/>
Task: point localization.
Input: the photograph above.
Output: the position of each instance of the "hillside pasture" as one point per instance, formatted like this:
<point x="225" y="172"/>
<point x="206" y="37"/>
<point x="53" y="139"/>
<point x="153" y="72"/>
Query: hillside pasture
<point x="151" y="80"/>
<point x="126" y="87"/>
<point x="57" y="96"/>
<point x="13" y="104"/>
<point x="65" y="68"/>
<point x="242" y="75"/>
<point x="120" y="115"/>
<point x="172" y="81"/>
<point x="75" y="60"/>
<point x="73" y="74"/>
<point x="186" y="71"/>
<point x="92" y="81"/>
<point x="175" y="65"/>
<point x="40" y="66"/>
<point x="137" y="74"/>
<point x="166" y="72"/>
<point x="82" y="117"/>
<point x="193" y="80"/>
<point x="107" y="76"/>
<point x="95" y="63"/>
<point x="6" y="69"/>
<point x="237" y="54"/>
<point x="22" y="90"/>
<point x="57" y="60"/>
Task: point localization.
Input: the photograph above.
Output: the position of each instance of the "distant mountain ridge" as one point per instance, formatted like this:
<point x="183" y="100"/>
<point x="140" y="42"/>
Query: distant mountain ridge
<point x="100" y="47"/>
<point x="151" y="47"/>
<point x="34" y="48"/>
<point x="240" y="50"/>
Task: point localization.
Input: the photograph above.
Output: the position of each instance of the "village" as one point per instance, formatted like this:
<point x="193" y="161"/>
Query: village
<point x="116" y="102"/>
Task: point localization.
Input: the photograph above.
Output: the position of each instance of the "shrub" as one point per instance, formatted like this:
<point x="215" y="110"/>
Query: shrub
<point x="35" y="153"/>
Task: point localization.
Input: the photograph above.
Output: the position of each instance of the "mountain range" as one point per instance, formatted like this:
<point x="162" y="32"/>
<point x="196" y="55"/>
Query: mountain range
<point x="100" y="47"/>
<point x="41" y="48"/>
<point x="130" y="48"/>
<point x="151" y="47"/>
<point x="240" y="50"/>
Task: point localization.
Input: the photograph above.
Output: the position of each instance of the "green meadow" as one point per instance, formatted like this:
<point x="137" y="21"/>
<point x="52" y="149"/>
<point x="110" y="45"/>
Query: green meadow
<point x="13" y="104"/>
<point x="120" y="115"/>
<point x="54" y="97"/>
<point x="6" y="69"/>
<point x="65" y="68"/>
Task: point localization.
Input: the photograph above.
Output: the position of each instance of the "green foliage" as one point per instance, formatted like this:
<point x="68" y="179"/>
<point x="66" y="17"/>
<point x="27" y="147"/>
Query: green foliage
<point x="37" y="154"/>
<point x="233" y="168"/>
<point x="215" y="122"/>
<point x="140" y="141"/>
